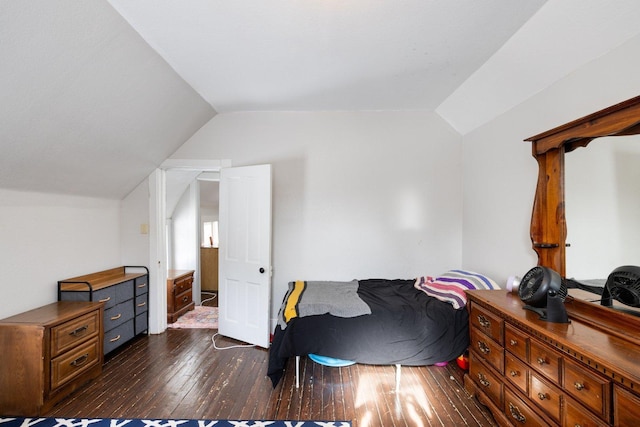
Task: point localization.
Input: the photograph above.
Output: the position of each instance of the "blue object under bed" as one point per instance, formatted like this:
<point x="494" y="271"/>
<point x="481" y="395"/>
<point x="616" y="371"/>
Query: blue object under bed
<point x="330" y="361"/>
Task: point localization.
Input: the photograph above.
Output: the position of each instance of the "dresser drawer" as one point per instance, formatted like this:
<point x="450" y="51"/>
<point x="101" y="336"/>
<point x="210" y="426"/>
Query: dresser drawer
<point x="545" y="395"/>
<point x="516" y="342"/>
<point x="517" y="372"/>
<point x="118" y="315"/>
<point x="141" y="285"/>
<point x="486" y="381"/>
<point x="625" y="407"/>
<point x="576" y="415"/>
<point x="487" y="322"/>
<point x="118" y="335"/>
<point x="182" y="300"/>
<point x="142" y="323"/>
<point x="75" y="362"/>
<point x="73" y="332"/>
<point x="519" y="413"/>
<point x="141" y="303"/>
<point x="488" y="349"/>
<point x="183" y="284"/>
<point x="545" y="360"/>
<point x="592" y="390"/>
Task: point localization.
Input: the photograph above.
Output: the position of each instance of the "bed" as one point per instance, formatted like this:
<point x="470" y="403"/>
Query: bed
<point x="411" y="322"/>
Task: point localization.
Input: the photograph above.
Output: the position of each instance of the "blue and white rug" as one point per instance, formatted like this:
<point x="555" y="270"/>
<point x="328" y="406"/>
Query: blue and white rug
<point x="133" y="422"/>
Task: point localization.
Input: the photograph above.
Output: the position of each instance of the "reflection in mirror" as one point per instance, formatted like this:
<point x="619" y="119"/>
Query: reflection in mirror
<point x="602" y="200"/>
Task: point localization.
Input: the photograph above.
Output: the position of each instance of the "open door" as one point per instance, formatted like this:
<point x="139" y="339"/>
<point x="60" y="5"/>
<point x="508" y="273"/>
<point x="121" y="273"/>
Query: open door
<point x="245" y="254"/>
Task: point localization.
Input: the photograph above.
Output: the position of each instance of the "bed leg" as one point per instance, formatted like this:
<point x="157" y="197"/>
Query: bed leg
<point x="397" y="378"/>
<point x="297" y="371"/>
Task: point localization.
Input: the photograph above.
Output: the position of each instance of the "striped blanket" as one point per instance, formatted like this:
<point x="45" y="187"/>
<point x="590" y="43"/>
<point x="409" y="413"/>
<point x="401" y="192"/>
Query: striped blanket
<point x="451" y="286"/>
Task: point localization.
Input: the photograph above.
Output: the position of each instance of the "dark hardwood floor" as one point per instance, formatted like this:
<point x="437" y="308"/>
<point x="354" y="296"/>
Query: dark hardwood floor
<point x="179" y="374"/>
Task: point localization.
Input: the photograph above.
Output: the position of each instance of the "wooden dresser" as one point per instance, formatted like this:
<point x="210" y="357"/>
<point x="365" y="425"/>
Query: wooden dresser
<point x="125" y="293"/>
<point x="209" y="269"/>
<point x="179" y="293"/>
<point x="47" y="353"/>
<point x="529" y="372"/>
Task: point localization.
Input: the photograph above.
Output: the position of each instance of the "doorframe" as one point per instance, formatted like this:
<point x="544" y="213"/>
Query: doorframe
<point x="158" y="235"/>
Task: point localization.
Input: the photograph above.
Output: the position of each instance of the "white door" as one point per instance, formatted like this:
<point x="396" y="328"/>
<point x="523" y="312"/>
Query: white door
<point x="245" y="254"/>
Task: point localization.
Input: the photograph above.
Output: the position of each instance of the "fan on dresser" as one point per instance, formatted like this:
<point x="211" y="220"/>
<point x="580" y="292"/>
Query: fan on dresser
<point x="543" y="291"/>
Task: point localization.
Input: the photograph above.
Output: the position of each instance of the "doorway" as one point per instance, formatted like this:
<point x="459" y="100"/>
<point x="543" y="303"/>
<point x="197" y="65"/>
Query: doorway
<point x="209" y="215"/>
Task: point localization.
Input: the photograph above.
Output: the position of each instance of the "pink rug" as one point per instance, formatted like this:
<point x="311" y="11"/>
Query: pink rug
<point x="200" y="317"/>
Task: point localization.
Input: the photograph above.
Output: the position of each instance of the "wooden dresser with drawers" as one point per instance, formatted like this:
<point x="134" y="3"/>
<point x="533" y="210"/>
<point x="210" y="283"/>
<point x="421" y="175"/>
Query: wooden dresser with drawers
<point x="530" y="372"/>
<point x="179" y="293"/>
<point x="47" y="353"/>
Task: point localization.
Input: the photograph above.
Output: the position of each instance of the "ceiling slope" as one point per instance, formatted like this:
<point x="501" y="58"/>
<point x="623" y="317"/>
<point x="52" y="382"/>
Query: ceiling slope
<point x="291" y="55"/>
<point x="88" y="108"/>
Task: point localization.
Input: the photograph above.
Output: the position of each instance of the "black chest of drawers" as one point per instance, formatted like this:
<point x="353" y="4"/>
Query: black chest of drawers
<point x="125" y="294"/>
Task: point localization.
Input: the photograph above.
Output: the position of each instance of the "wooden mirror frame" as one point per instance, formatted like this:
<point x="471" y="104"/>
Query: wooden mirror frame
<point x="548" y="223"/>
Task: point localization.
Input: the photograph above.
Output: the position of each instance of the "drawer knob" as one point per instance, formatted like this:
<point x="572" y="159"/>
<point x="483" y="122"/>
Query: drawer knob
<point x="80" y="360"/>
<point x="578" y="386"/>
<point x="184" y="299"/>
<point x="483" y="380"/>
<point x="541" y="361"/>
<point x="542" y="396"/>
<point x="484" y="322"/>
<point x="513" y="342"/>
<point x="516" y="414"/>
<point x="514" y="373"/>
<point x="80" y="330"/>
<point x="484" y="348"/>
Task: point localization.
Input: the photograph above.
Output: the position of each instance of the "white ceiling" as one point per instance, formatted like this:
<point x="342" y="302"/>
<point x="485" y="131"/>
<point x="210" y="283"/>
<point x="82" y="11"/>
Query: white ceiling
<point x="97" y="94"/>
<point x="326" y="54"/>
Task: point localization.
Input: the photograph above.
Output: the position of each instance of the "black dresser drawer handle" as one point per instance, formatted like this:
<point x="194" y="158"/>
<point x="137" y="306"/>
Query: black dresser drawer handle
<point x="80" y="330"/>
<point x="80" y="360"/>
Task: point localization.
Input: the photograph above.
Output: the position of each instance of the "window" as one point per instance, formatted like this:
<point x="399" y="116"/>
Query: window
<point x="210" y="234"/>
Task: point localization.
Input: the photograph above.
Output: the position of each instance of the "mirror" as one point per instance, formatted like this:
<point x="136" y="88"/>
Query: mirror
<point x="602" y="182"/>
<point x="548" y="220"/>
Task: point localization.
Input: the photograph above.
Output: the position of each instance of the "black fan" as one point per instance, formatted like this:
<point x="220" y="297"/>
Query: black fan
<point x="623" y="284"/>
<point x="543" y="291"/>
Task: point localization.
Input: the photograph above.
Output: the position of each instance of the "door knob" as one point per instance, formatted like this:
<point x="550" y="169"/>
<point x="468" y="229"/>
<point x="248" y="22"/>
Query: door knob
<point x="261" y="270"/>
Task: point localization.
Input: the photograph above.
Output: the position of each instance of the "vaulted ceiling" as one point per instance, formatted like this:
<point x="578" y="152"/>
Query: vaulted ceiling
<point x="95" y="95"/>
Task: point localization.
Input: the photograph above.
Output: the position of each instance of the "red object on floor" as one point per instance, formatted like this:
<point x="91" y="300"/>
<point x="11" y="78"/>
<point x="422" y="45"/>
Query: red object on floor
<point x="463" y="362"/>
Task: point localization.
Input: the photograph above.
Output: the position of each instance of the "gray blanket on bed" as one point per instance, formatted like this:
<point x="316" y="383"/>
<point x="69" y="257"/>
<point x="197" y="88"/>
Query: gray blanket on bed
<point x="312" y="298"/>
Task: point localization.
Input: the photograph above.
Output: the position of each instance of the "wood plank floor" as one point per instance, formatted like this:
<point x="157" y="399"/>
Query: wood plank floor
<point x="179" y="374"/>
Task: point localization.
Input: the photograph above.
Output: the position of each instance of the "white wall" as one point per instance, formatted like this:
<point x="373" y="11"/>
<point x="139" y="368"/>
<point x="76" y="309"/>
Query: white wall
<point x="185" y="236"/>
<point x="355" y="194"/>
<point x="500" y="173"/>
<point x="51" y="237"/>
<point x="134" y="226"/>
